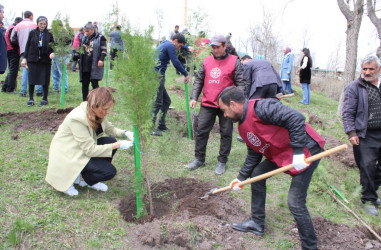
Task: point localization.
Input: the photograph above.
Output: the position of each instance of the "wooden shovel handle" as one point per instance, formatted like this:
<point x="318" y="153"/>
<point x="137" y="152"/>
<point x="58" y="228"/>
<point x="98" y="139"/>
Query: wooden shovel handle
<point x="285" y="168"/>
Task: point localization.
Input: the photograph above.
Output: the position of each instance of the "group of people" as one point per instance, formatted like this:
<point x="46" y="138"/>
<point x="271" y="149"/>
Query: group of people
<point x="32" y="42"/>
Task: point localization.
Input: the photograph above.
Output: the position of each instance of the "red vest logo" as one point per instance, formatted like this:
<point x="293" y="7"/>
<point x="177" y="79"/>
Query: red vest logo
<point x="253" y="139"/>
<point x="215" y="73"/>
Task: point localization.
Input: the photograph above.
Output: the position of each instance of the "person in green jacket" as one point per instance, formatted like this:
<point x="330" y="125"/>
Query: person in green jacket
<point x="79" y="154"/>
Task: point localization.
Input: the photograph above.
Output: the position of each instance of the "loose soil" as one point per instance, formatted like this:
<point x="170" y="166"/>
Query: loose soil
<point x="47" y="119"/>
<point x="184" y="221"/>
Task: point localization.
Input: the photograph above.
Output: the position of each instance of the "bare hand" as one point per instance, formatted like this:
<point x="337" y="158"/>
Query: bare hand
<point x="23" y="63"/>
<point x="187" y="79"/>
<point x="355" y="140"/>
<point x="51" y="56"/>
<point x="191" y="49"/>
<point x="100" y="64"/>
<point x="192" y="104"/>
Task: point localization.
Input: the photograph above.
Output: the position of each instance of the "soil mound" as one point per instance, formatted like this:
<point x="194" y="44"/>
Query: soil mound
<point x="336" y="236"/>
<point x="46" y="119"/>
<point x="345" y="157"/>
<point x="184" y="221"/>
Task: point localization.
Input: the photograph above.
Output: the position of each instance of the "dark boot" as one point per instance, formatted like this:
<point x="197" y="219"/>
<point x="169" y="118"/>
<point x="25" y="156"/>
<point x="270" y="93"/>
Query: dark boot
<point x="249" y="226"/>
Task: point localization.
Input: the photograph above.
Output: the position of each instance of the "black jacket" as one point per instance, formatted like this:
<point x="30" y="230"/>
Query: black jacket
<point x="35" y="53"/>
<point x="272" y="111"/>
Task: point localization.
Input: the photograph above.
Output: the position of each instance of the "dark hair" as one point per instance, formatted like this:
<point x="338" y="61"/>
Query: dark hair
<point x="306" y="52"/>
<point x="28" y="14"/>
<point x="180" y="38"/>
<point x="231" y="94"/>
<point x="246" y="57"/>
<point x="118" y="27"/>
<point x="177" y="26"/>
<point x="18" y="19"/>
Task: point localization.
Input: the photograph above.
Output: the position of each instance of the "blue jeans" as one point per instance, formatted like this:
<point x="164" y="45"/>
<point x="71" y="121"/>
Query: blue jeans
<point x="57" y="75"/>
<point x="24" y="83"/>
<point x="297" y="195"/>
<point x="287" y="85"/>
<point x="306" y="93"/>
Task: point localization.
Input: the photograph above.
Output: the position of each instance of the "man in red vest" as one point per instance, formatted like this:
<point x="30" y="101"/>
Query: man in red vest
<point x="217" y="72"/>
<point x="279" y="133"/>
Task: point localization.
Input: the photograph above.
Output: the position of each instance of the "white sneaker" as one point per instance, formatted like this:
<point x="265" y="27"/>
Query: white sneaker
<point x="71" y="191"/>
<point x="99" y="187"/>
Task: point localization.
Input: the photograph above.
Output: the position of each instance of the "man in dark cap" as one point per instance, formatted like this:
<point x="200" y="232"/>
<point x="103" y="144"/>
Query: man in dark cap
<point x="217" y="72"/>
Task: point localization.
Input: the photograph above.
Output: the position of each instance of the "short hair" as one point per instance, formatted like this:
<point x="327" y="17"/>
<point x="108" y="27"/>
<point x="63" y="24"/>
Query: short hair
<point x="1" y="7"/>
<point x="180" y="38"/>
<point x="18" y="19"/>
<point x="89" y="26"/>
<point x="81" y="29"/>
<point x="231" y="93"/>
<point x="118" y="27"/>
<point x="370" y="59"/>
<point x="246" y="57"/>
<point x="177" y="26"/>
<point x="28" y="14"/>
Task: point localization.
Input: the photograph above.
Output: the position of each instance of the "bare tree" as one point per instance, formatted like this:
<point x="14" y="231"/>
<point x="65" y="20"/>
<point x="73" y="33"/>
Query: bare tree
<point x="335" y="59"/>
<point x="376" y="21"/>
<point x="354" y="18"/>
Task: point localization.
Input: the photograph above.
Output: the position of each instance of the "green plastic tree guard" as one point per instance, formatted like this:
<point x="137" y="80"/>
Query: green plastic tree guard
<point x="188" y="111"/>
<point x="63" y="86"/>
<point x="106" y="69"/>
<point x="138" y="175"/>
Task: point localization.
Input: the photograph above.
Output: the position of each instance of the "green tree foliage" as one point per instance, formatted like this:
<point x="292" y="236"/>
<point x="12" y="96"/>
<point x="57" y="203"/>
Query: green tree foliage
<point x="63" y="35"/>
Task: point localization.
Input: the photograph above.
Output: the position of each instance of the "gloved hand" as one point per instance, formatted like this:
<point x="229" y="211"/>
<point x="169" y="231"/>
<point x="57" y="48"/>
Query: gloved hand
<point x="129" y="134"/>
<point x="126" y="144"/>
<point x="234" y="185"/>
<point x="299" y="162"/>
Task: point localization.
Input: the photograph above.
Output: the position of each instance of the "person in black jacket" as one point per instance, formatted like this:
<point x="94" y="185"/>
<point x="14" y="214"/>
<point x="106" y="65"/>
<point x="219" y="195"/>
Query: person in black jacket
<point x="279" y="133"/>
<point x="37" y="59"/>
<point x="305" y="75"/>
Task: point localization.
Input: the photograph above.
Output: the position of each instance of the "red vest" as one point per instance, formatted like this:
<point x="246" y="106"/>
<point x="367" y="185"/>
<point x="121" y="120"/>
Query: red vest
<point x="219" y="74"/>
<point x="272" y="141"/>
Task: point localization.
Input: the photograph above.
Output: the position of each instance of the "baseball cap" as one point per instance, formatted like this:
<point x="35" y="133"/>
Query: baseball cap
<point x="218" y="40"/>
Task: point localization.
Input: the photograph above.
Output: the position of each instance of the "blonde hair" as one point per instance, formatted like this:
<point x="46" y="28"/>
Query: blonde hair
<point x="98" y="97"/>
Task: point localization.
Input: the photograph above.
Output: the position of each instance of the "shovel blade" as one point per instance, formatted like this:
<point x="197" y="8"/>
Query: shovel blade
<point x="206" y="196"/>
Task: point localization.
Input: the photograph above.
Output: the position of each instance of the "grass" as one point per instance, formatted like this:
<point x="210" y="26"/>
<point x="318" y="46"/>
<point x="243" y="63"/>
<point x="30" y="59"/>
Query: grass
<point x="34" y="215"/>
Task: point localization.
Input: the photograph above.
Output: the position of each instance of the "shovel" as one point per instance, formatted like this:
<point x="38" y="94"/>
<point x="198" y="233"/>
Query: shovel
<point x="277" y="171"/>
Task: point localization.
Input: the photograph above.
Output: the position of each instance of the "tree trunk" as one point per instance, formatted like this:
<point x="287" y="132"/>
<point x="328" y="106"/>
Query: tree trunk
<point x="354" y="19"/>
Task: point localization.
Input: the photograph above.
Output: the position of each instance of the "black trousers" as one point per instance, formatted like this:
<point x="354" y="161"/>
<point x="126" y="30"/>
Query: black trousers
<point x="113" y="55"/>
<point x="45" y="91"/>
<point x="163" y="101"/>
<point x="85" y="84"/>
<point x="368" y="159"/>
<point x="100" y="169"/>
<point x="297" y="195"/>
<point x="13" y="67"/>
<point x="266" y="91"/>
<point x="207" y="117"/>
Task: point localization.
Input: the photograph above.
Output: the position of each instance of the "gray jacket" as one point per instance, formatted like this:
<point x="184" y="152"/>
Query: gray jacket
<point x="259" y="73"/>
<point x="355" y="109"/>
<point x="198" y="85"/>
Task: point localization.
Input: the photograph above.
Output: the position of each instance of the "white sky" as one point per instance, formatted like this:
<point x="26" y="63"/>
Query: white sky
<point x="322" y="19"/>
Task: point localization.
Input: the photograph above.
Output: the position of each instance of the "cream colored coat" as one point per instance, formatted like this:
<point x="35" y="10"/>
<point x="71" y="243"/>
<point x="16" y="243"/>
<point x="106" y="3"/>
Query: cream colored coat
<point x="73" y="145"/>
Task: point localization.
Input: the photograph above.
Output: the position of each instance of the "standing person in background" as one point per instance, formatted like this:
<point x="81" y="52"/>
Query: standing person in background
<point x="305" y="75"/>
<point x="177" y="27"/>
<point x="91" y="59"/>
<point x="362" y="123"/>
<point x="76" y="43"/>
<point x="13" y="56"/>
<point x="37" y="59"/>
<point x="218" y="71"/>
<point x="19" y="37"/>
<point x="3" y="46"/>
<point x="164" y="53"/>
<point x="286" y="69"/>
<point x="116" y="44"/>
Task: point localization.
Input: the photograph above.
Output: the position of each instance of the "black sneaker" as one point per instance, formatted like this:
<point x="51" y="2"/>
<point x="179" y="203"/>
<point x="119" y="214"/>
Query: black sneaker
<point x="43" y="103"/>
<point x="195" y="164"/>
<point x="249" y="226"/>
<point x="30" y="103"/>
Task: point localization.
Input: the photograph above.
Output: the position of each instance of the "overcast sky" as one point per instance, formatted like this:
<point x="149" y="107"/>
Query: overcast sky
<point x="321" y="19"/>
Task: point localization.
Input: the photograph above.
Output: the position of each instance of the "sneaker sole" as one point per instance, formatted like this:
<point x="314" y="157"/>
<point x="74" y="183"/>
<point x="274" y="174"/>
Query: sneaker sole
<point x="248" y="231"/>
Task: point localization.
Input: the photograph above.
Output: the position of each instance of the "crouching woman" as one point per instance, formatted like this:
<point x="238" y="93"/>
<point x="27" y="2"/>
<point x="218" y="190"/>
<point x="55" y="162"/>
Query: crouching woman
<point x="79" y="154"/>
